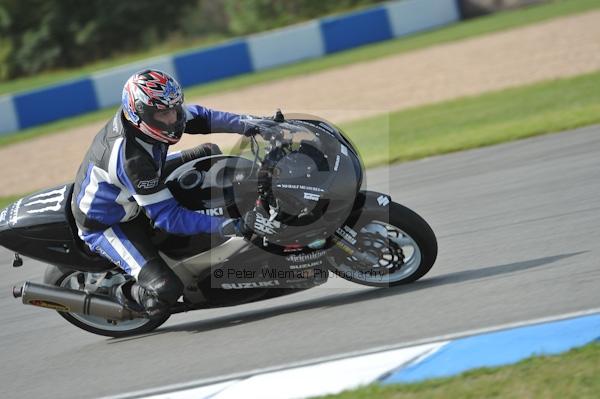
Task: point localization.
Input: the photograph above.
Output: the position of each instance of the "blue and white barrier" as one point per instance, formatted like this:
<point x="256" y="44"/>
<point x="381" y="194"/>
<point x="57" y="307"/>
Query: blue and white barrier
<point x="446" y="356"/>
<point x="213" y="63"/>
<point x="356" y="29"/>
<point x="109" y="84"/>
<point x="286" y="46"/>
<point x="43" y="106"/>
<point x="8" y="115"/>
<point x="296" y="43"/>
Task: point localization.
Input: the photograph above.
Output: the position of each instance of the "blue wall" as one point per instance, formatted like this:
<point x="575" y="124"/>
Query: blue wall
<point x="42" y="106"/>
<point x="356" y="29"/>
<point x="283" y="46"/>
<point x="213" y="63"/>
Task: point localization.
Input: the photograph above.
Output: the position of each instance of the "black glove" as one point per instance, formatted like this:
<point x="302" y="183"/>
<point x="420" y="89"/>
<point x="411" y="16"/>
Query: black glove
<point x="267" y="128"/>
<point x="250" y="130"/>
<point x="259" y="222"/>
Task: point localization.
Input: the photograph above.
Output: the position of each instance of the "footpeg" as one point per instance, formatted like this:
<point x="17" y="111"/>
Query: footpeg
<point x="17" y="262"/>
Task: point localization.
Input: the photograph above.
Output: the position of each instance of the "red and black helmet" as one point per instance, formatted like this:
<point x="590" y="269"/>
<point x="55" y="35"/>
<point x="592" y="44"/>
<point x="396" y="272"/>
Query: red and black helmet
<point x="148" y="93"/>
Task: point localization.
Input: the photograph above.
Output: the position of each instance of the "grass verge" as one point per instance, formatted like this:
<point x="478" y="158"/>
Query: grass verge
<point x="58" y="126"/>
<point x="570" y="375"/>
<point x="4" y="201"/>
<point x="475" y="121"/>
<point x="463" y="30"/>
<point x="471" y="28"/>
<point x="478" y="121"/>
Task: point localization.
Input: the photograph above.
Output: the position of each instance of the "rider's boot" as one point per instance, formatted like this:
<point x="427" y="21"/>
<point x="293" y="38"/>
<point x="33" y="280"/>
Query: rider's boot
<point x="157" y="288"/>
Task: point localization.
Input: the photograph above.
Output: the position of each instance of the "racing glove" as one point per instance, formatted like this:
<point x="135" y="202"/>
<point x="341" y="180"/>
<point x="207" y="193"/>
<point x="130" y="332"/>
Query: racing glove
<point x="250" y="130"/>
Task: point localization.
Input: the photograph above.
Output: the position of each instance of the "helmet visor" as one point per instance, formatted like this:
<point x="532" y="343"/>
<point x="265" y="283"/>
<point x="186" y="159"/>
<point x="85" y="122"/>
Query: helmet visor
<point x="169" y="120"/>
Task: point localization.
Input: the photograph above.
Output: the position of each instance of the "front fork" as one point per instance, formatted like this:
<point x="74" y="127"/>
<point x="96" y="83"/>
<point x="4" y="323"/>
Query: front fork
<point x="367" y="204"/>
<point x="351" y="250"/>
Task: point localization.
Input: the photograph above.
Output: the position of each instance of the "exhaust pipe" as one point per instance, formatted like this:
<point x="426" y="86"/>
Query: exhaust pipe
<point x="73" y="301"/>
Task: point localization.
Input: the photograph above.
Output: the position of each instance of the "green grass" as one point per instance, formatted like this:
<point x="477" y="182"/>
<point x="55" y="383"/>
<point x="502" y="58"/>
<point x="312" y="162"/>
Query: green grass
<point x="471" y="28"/>
<point x="4" y="201"/>
<point x="478" y="121"/>
<point x="58" y="126"/>
<point x="570" y="375"/>
<point x="479" y="26"/>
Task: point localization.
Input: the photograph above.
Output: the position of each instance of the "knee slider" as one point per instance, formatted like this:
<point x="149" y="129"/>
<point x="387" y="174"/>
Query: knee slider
<point x="157" y="277"/>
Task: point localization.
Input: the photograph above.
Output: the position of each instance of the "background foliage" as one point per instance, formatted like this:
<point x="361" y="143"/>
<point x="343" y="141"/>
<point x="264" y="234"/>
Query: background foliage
<point x="40" y="35"/>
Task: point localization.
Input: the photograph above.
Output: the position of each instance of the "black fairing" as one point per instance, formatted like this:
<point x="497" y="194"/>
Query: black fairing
<point x="316" y="183"/>
<point x="40" y="226"/>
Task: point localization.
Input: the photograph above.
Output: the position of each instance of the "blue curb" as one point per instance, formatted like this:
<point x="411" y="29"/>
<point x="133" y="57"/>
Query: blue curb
<point x="501" y="348"/>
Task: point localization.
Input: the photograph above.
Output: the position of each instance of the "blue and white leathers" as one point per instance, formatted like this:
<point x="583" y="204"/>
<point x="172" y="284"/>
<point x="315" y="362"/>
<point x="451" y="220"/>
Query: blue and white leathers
<point x="121" y="176"/>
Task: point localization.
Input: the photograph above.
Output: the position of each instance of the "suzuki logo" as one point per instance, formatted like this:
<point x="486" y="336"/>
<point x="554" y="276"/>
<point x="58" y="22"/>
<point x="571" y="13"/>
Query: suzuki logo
<point x="254" y="284"/>
<point x="212" y="212"/>
<point x="51" y="201"/>
<point x="383" y="200"/>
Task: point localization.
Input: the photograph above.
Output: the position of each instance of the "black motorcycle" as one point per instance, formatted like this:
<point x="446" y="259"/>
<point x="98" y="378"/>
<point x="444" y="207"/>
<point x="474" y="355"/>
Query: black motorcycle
<point x="297" y="185"/>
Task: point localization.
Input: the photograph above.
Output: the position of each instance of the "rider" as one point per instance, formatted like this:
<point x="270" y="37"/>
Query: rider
<point x="121" y="175"/>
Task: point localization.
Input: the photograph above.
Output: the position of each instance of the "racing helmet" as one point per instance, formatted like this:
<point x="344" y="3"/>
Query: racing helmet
<point x="153" y="102"/>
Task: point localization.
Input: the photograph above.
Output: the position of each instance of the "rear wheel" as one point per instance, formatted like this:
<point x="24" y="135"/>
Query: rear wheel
<point x="403" y="244"/>
<point x="99" y="283"/>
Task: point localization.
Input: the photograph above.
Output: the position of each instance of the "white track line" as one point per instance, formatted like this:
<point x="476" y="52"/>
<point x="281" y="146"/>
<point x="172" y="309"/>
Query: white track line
<point x="316" y="361"/>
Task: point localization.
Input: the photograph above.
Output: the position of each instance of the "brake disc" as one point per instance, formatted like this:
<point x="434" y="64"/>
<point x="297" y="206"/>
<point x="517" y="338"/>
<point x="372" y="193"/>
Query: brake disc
<point x="389" y="253"/>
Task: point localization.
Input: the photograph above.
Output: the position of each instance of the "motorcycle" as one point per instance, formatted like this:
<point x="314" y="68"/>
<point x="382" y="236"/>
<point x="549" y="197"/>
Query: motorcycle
<point x="298" y="186"/>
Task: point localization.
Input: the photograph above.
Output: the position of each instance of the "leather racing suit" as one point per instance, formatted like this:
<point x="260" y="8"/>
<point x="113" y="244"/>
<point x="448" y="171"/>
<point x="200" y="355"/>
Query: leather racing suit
<point x="120" y="177"/>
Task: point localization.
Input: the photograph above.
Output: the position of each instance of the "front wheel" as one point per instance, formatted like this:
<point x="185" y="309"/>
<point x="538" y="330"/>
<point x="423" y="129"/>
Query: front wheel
<point x="99" y="283"/>
<point x="402" y="242"/>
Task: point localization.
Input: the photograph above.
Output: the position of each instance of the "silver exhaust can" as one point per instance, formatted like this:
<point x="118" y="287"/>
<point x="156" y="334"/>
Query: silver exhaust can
<point x="73" y="301"/>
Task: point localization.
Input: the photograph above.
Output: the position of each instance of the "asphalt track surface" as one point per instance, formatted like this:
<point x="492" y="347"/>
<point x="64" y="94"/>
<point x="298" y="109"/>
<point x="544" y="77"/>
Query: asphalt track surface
<point x="517" y="226"/>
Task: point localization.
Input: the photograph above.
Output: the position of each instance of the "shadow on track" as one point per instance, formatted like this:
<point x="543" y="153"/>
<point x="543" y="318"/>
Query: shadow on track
<point x="330" y="301"/>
